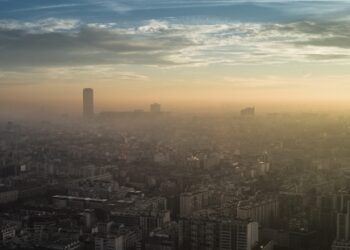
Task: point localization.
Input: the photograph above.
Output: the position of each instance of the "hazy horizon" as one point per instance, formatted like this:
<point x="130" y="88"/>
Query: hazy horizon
<point x="196" y="55"/>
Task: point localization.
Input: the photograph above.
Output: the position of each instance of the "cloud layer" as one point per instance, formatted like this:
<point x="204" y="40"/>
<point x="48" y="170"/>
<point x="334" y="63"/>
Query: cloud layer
<point x="68" y="42"/>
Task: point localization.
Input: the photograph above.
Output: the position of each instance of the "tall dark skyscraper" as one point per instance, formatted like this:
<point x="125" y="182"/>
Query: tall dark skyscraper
<point x="88" y="103"/>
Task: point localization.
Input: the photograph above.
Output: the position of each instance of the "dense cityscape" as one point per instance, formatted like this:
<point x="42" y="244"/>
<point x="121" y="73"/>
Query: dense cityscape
<point x="156" y="180"/>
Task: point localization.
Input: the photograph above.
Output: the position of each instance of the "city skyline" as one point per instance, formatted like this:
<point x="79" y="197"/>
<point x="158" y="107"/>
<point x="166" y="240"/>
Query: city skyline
<point x="88" y="106"/>
<point x="278" y="55"/>
<point x="174" y="125"/>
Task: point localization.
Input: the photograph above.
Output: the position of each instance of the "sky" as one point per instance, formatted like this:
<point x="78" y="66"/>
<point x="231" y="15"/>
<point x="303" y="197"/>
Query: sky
<point x="187" y="55"/>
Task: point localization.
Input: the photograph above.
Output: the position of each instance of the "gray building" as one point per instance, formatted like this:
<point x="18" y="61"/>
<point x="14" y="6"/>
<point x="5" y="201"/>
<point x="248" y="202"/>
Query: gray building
<point x="155" y="108"/>
<point x="88" y="103"/>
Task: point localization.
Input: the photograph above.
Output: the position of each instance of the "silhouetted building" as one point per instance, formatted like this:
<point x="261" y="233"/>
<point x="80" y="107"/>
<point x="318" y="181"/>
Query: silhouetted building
<point x="88" y="103"/>
<point x="250" y="111"/>
<point x="155" y="108"/>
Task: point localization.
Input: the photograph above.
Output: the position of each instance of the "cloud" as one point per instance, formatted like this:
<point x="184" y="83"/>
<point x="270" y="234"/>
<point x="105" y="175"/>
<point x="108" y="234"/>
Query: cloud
<point x="154" y="26"/>
<point x="116" y="6"/>
<point x="312" y="6"/>
<point x="106" y="73"/>
<point x="48" y="7"/>
<point x="326" y="41"/>
<point x="65" y="42"/>
<point x="40" y="26"/>
<point x="86" y="46"/>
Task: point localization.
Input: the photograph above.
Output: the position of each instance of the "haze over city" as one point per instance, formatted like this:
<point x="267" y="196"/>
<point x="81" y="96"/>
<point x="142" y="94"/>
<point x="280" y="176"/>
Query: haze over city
<point x="174" y="125"/>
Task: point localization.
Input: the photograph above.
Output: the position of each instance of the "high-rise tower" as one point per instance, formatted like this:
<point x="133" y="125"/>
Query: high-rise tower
<point x="155" y="108"/>
<point x="88" y="103"/>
